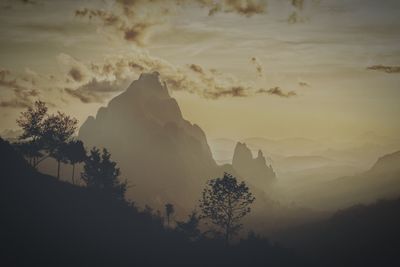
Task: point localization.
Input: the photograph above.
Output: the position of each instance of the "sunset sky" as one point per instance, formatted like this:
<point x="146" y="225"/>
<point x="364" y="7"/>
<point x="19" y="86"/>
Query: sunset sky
<point x="276" y="68"/>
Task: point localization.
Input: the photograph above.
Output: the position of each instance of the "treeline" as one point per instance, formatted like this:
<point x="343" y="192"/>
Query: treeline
<point x="49" y="222"/>
<point x="223" y="204"/>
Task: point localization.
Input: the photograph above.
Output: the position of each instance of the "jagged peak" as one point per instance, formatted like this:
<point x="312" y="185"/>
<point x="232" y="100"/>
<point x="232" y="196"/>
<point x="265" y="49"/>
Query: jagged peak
<point x="150" y="84"/>
<point x="241" y="150"/>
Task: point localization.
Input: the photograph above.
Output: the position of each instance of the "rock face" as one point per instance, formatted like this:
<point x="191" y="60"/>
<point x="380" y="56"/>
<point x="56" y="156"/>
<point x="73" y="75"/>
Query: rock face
<point x="164" y="157"/>
<point x="254" y="170"/>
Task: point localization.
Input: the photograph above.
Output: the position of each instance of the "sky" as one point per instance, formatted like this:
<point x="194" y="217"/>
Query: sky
<point x="276" y="68"/>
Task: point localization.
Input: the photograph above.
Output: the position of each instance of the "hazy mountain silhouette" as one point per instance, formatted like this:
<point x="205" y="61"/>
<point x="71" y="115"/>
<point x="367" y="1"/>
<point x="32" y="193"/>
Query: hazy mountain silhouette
<point x="382" y="180"/>
<point x="164" y="157"/>
<point x="255" y="169"/>
<point x="167" y="159"/>
<point x="389" y="163"/>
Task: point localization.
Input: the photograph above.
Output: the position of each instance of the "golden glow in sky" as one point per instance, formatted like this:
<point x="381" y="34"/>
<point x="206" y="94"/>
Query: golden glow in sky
<point x="317" y="68"/>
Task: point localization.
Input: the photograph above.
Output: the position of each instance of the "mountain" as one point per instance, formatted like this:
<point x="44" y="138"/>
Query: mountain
<point x="387" y="164"/>
<point x="159" y="152"/>
<point x="165" y="158"/>
<point x="382" y="180"/>
<point x="255" y="170"/>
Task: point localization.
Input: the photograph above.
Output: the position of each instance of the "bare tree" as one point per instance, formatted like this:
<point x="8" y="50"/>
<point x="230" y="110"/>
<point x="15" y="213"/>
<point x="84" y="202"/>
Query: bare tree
<point x="225" y="202"/>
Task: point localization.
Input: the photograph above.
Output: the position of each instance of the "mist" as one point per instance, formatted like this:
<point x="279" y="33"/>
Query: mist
<point x="199" y="133"/>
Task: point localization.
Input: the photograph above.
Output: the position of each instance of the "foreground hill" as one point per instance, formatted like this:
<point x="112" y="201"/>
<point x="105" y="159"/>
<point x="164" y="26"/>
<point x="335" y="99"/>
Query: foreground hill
<point x="45" y="222"/>
<point x="364" y="235"/>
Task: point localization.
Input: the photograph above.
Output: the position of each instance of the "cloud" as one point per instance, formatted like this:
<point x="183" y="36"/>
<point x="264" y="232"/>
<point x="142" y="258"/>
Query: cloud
<point x="22" y="95"/>
<point x="304" y="84"/>
<point x="235" y="91"/>
<point x="134" y="19"/>
<point x="247" y="8"/>
<point x="277" y="91"/>
<point x="76" y="74"/>
<point x="9" y="83"/>
<point x="196" y="68"/>
<point x="383" y="68"/>
<point x="110" y="75"/>
<point x="94" y="91"/>
<point x="124" y="19"/>
<point x="257" y="64"/>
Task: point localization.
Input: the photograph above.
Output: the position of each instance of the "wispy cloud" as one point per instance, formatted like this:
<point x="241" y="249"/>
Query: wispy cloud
<point x="383" y="68"/>
<point x="23" y="96"/>
<point x="277" y="91"/>
<point x="259" y="67"/>
<point x="304" y="84"/>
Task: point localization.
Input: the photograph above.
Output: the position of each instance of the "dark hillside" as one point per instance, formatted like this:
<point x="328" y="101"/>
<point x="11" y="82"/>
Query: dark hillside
<point x="46" y="222"/>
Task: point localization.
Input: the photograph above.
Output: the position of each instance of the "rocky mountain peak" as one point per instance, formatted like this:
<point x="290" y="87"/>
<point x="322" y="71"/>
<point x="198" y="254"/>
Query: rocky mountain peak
<point x="252" y="169"/>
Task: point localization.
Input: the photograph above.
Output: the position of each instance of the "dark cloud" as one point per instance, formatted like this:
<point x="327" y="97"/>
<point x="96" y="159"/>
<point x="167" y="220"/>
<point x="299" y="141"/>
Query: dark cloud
<point x="236" y="91"/>
<point x="76" y="74"/>
<point x="196" y="68"/>
<point x="94" y="91"/>
<point x="277" y="91"/>
<point x="106" y="17"/>
<point x="136" y="33"/>
<point x="383" y="68"/>
<point x="257" y="64"/>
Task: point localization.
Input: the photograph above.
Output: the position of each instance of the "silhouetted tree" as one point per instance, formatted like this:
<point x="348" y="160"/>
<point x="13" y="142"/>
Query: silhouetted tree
<point x="58" y="129"/>
<point x="29" y="149"/>
<point x="190" y="228"/>
<point x="225" y="202"/>
<point x="101" y="174"/>
<point x="31" y="123"/>
<point x="169" y="209"/>
<point x="75" y="153"/>
<point x="44" y="133"/>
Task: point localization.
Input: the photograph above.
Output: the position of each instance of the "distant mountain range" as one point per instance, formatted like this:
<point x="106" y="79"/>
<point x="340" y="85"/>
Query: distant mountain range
<point x="382" y="180"/>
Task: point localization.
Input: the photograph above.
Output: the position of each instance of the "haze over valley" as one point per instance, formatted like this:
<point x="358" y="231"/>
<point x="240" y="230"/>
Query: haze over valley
<point x="200" y="133"/>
